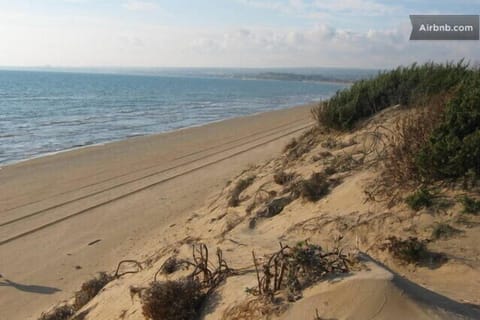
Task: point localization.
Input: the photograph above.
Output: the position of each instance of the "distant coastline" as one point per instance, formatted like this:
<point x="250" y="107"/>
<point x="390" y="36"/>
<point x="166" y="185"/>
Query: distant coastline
<point x="325" y="75"/>
<point x="45" y="112"/>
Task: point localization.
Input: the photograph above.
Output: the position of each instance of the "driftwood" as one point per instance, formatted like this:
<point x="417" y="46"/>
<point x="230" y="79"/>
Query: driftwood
<point x="138" y="265"/>
<point x="289" y="267"/>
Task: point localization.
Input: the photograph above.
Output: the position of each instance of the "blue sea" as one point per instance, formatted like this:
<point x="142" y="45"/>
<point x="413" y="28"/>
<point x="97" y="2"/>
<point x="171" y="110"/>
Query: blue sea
<point x="43" y="111"/>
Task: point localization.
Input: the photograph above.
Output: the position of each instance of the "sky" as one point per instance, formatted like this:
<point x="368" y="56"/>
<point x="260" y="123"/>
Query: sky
<point x="224" y="33"/>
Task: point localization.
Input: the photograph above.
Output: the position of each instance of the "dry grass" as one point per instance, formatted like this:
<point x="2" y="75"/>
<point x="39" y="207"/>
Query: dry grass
<point x="410" y="134"/>
<point x="86" y="293"/>
<point x="444" y="231"/>
<point x="470" y="205"/>
<point x="305" y="143"/>
<point x="282" y="178"/>
<point x="173" y="300"/>
<point x="64" y="312"/>
<point x="237" y="190"/>
<point x="312" y="189"/>
<point x="293" y="268"/>
<point x="402" y="144"/>
<point x="256" y="308"/>
<point x="409" y="250"/>
<point x="90" y="289"/>
<point x="182" y="299"/>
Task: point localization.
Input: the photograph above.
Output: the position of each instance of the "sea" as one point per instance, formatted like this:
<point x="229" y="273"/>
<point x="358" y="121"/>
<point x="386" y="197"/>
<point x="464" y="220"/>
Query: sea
<point x="43" y="111"/>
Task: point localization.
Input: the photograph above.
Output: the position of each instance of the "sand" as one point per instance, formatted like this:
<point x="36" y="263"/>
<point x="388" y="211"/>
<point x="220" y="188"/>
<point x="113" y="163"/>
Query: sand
<point x="150" y="213"/>
<point x="66" y="216"/>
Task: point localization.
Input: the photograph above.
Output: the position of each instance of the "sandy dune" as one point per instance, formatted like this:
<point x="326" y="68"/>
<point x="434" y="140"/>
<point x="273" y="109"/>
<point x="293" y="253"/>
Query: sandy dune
<point x="66" y="216"/>
<point x="107" y="204"/>
<point x="378" y="293"/>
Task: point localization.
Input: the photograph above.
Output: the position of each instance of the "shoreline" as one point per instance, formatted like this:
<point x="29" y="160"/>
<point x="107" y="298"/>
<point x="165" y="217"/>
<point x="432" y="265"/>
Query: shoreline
<point x="94" y="145"/>
<point x="120" y="196"/>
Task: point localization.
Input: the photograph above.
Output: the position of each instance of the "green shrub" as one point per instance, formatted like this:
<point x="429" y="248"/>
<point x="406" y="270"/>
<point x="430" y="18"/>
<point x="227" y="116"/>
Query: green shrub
<point x="470" y="206"/>
<point x="443" y="231"/>
<point x="453" y="149"/>
<point x="404" y="85"/>
<point x="420" y="199"/>
<point x="410" y="250"/>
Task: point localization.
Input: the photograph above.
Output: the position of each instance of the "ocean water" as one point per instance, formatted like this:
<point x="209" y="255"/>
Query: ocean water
<point x="44" y="112"/>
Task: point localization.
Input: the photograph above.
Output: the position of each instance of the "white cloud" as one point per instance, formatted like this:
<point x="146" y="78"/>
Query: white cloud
<point x="139" y="5"/>
<point x="326" y="8"/>
<point x="100" y="41"/>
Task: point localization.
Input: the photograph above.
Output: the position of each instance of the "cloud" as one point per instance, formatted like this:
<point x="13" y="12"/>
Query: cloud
<point x="326" y="8"/>
<point x="356" y="7"/>
<point x="139" y="5"/>
<point x="107" y="41"/>
<point x="324" y="45"/>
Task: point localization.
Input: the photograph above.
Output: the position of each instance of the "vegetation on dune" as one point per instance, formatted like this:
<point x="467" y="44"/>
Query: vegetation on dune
<point x="439" y="139"/>
<point x="64" y="312"/>
<point x="90" y="289"/>
<point x="411" y="250"/>
<point x="173" y="300"/>
<point x="443" y="231"/>
<point x="470" y="206"/>
<point x="183" y="298"/>
<point x="453" y="149"/>
<point x="237" y="190"/>
<point x="421" y="198"/>
<point x="282" y="178"/>
<point x="404" y="85"/>
<point x="86" y="293"/>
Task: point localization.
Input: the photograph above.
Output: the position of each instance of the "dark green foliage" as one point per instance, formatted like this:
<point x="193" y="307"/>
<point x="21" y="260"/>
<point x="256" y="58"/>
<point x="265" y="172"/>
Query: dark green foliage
<point x="470" y="206"/>
<point x="173" y="300"/>
<point x="404" y="85"/>
<point x="90" y="289"/>
<point x="453" y="150"/>
<point x="64" y="312"/>
<point x="241" y="185"/>
<point x="443" y="231"/>
<point x="421" y="198"/>
<point x="410" y="250"/>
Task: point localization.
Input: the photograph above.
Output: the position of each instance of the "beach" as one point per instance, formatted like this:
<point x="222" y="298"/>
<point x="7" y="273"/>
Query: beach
<point x="64" y="217"/>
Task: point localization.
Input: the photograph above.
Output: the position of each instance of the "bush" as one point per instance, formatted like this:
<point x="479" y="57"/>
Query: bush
<point x="470" y="206"/>
<point x="404" y="86"/>
<point x="410" y="250"/>
<point x="282" y="178"/>
<point x="419" y="199"/>
<point x="443" y="231"/>
<point x="453" y="149"/>
<point x="314" y="188"/>
<point x="64" y="312"/>
<point x="241" y="185"/>
<point x="298" y="147"/>
<point x="173" y="300"/>
<point x="410" y="134"/>
<point x="90" y="289"/>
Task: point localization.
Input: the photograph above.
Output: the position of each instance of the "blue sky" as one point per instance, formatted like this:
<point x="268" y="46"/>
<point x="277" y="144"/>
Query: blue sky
<point x="228" y="33"/>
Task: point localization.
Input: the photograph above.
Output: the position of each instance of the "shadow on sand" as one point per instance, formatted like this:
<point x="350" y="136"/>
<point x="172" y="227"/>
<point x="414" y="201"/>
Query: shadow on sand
<point x="29" y="288"/>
